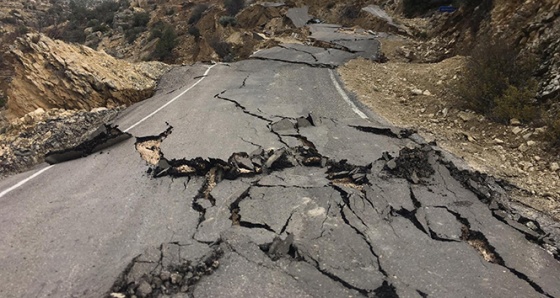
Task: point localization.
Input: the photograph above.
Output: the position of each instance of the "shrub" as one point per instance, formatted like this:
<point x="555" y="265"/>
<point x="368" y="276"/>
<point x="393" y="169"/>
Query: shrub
<point x="223" y="49"/>
<point x="157" y="30"/>
<point x="498" y="82"/>
<point x="101" y="28"/>
<point x="194" y="31"/>
<point x="165" y="44"/>
<point x="2" y="100"/>
<point x="9" y="20"/>
<point x="233" y="6"/>
<point x="140" y="19"/>
<point x="132" y="34"/>
<point x="104" y="11"/>
<point x="552" y="133"/>
<point x="228" y="20"/>
<point x="516" y="103"/>
<point x="22" y="30"/>
<point x="197" y="13"/>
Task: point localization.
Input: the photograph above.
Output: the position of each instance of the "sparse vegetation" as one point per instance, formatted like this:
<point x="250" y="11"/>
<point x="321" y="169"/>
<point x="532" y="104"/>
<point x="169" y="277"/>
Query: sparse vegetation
<point x="81" y="15"/>
<point x="228" y="21"/>
<point x="498" y="82"/>
<point x="234" y="6"/>
<point x="139" y="22"/>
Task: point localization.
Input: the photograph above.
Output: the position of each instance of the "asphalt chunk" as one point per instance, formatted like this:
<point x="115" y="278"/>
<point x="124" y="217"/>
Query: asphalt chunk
<point x="104" y="137"/>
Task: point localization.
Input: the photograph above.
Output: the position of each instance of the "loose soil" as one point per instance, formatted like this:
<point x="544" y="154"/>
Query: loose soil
<point x="417" y="95"/>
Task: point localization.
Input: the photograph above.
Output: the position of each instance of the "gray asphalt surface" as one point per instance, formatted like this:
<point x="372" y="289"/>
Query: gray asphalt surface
<point x="350" y="207"/>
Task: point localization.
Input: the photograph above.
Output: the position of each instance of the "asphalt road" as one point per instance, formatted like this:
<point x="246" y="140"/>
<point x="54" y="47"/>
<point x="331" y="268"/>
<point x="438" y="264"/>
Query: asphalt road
<point x="350" y="207"/>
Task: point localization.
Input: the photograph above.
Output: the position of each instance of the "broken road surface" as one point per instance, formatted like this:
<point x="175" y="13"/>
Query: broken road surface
<point x="259" y="179"/>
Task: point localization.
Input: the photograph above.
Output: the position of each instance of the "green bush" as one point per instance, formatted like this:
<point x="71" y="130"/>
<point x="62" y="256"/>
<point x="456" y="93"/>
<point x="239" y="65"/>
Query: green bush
<point x="223" y="49"/>
<point x="194" y="31"/>
<point x="234" y="6"/>
<point x="140" y="19"/>
<point x="197" y="13"/>
<point x="228" y="20"/>
<point x="157" y="30"/>
<point x="132" y="34"/>
<point x="165" y="45"/>
<point x="498" y="82"/>
<point x="516" y="103"/>
<point x="552" y="134"/>
<point x="22" y="29"/>
<point x="9" y="20"/>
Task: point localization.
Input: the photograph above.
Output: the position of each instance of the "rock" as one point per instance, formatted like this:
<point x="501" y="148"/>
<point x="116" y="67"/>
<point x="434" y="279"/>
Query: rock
<point x="465" y="116"/>
<point x="531" y="143"/>
<point x="416" y="91"/>
<point x="176" y="278"/>
<point x="97" y="110"/>
<point x="498" y="141"/>
<point x="144" y="289"/>
<point x="514" y="122"/>
<point x="392" y="164"/>
<point x="85" y="78"/>
<point x="427" y="93"/>
<point x="523" y="147"/>
<point x="527" y="136"/>
<point x="554" y="166"/>
<point x="540" y="130"/>
<point x="165" y="275"/>
<point x="516" y="130"/>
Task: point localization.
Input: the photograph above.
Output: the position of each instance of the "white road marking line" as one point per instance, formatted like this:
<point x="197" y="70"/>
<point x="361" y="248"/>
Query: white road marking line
<point x="22" y="182"/>
<point x="345" y="96"/>
<point x="172" y="100"/>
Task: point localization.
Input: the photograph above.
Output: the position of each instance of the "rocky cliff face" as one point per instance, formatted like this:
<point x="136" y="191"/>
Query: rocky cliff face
<point x="52" y="74"/>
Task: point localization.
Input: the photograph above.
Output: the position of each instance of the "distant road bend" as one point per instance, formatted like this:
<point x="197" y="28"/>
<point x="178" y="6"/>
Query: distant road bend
<point x="263" y="178"/>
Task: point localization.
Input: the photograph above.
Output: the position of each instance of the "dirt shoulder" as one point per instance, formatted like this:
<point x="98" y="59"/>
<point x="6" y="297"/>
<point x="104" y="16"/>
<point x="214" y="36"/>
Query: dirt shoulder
<point x="416" y="95"/>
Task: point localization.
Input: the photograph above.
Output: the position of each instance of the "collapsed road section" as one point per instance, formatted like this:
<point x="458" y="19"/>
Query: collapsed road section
<point x="292" y="222"/>
<point x="104" y="137"/>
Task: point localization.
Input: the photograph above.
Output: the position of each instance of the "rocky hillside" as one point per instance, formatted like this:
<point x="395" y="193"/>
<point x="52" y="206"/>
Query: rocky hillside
<point x="531" y="26"/>
<point x="52" y="74"/>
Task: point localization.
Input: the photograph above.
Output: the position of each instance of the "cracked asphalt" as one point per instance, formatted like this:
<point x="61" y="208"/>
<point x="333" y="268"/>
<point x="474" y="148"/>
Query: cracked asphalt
<point x="261" y="181"/>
